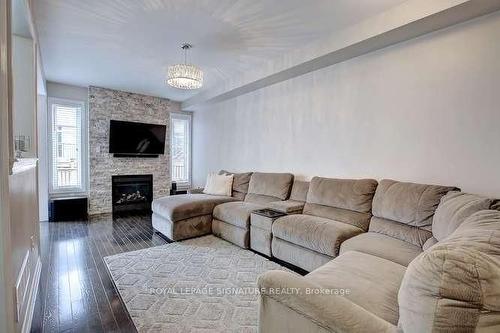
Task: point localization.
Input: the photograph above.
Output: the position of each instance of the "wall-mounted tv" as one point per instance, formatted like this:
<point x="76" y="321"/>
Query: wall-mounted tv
<point x="136" y="139"/>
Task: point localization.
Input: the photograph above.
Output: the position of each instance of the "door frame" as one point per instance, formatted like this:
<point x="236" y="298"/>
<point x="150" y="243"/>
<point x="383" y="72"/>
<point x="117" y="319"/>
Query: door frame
<point x="6" y="163"/>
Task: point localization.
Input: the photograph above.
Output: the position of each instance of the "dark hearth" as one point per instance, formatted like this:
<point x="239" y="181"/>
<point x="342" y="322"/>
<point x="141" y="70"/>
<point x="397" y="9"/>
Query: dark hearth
<point x="132" y="193"/>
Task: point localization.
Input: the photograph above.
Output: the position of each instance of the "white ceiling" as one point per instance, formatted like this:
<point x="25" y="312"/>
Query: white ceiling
<point x="128" y="44"/>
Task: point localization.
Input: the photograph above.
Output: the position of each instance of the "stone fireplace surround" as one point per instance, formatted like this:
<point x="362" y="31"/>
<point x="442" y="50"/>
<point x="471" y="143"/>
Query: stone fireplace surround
<point x="104" y="105"/>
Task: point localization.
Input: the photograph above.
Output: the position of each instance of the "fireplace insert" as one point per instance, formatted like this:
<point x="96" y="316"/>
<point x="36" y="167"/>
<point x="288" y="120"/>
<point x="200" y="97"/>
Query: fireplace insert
<point x="132" y="194"/>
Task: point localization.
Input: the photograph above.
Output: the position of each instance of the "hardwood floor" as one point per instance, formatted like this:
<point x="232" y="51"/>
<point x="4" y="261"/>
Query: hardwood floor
<point x="76" y="293"/>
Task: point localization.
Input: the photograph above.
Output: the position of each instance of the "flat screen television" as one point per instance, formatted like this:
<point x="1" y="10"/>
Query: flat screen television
<point x="136" y="139"/>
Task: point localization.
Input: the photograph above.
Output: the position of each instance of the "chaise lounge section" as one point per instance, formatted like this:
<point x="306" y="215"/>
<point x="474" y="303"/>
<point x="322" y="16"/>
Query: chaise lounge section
<point x="185" y="216"/>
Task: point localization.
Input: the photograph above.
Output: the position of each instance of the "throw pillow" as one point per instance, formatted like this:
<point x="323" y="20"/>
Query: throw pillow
<point x="240" y="183"/>
<point x="219" y="184"/>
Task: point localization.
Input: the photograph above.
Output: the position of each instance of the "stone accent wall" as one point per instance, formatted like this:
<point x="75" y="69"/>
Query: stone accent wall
<point x="107" y="104"/>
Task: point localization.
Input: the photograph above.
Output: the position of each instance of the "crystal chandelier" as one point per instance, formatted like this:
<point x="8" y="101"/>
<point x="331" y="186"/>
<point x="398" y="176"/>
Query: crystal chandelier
<point x="185" y="76"/>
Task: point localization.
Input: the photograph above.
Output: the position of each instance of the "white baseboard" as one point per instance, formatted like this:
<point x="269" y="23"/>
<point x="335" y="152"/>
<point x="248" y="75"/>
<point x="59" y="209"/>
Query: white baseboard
<point x="28" y="318"/>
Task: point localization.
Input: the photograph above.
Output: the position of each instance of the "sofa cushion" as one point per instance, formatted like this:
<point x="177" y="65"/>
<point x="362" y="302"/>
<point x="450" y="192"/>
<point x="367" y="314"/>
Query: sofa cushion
<point x="372" y="282"/>
<point x="311" y="312"/>
<point x="453" y="209"/>
<point x="382" y="246"/>
<point x="287" y="206"/>
<point x="299" y="190"/>
<point x="343" y="200"/>
<point x="454" y="285"/>
<point x="314" y="233"/>
<point x="240" y="183"/>
<point x="408" y="203"/>
<point x="411" y="234"/>
<point x="268" y="187"/>
<point x="360" y="220"/>
<point x="236" y="213"/>
<point x="297" y="255"/>
<point x="184" y="206"/>
<point x="351" y="194"/>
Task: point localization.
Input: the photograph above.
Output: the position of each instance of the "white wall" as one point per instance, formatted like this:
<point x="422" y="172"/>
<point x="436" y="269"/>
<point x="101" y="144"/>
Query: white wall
<point x="427" y="110"/>
<point x="43" y="159"/>
<point x="23" y="102"/>
<point x="67" y="91"/>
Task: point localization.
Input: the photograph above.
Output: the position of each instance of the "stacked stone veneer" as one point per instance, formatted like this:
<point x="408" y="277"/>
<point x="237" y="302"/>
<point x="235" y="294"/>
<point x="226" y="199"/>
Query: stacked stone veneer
<point x="105" y="105"/>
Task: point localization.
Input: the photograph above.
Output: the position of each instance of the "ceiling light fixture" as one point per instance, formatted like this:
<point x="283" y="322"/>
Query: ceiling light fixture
<point x="185" y="76"/>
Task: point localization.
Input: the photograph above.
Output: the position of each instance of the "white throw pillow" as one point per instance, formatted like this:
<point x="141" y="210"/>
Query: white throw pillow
<point x="219" y="184"/>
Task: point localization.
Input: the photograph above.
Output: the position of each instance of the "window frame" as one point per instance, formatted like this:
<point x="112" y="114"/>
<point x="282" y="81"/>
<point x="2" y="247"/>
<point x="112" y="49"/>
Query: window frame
<point x="189" y="117"/>
<point x="68" y="191"/>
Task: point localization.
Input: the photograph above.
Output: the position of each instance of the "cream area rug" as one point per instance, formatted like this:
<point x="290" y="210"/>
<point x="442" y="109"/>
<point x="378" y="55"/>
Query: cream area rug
<point x="203" y="284"/>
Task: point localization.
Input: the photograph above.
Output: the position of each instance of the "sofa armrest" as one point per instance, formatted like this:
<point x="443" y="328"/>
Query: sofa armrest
<point x="196" y="190"/>
<point x="331" y="311"/>
<point x="287" y="206"/>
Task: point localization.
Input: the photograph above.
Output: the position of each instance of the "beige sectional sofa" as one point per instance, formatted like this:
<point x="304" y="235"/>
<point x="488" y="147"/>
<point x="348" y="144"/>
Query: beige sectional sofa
<point x="382" y="257"/>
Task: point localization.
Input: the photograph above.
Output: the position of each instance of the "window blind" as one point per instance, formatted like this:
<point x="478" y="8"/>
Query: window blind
<point x="66" y="135"/>
<point x="180" y="148"/>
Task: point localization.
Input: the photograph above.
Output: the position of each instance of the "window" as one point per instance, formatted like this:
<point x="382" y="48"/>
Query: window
<point x="68" y="141"/>
<point x="180" y="129"/>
